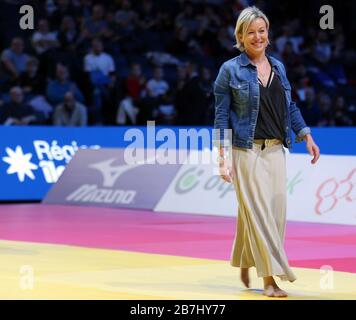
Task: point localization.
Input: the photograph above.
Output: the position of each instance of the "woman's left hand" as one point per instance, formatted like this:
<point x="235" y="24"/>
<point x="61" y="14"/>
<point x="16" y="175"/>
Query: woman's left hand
<point x="312" y="148"/>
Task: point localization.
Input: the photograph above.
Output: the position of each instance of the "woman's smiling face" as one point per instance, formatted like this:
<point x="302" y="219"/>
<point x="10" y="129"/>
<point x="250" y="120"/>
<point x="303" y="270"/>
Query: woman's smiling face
<point x="255" y="39"/>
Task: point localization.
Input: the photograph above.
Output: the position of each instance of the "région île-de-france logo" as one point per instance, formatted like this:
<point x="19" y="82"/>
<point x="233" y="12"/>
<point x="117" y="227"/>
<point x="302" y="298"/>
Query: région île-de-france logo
<point x="20" y="163"/>
<point x="47" y="162"/>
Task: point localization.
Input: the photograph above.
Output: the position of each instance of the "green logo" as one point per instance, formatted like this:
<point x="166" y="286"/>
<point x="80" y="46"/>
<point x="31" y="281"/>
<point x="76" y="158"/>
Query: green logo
<point x="292" y="184"/>
<point x="188" y="180"/>
<point x="191" y="177"/>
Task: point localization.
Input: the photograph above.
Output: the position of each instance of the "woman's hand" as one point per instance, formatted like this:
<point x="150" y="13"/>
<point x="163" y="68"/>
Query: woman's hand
<point x="225" y="170"/>
<point x="312" y="148"/>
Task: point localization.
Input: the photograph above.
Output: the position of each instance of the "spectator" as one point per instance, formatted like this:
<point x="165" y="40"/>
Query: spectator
<point x="288" y="36"/>
<point x="209" y="19"/>
<point x="127" y="112"/>
<point x="16" y="112"/>
<point x="14" y="59"/>
<point x="100" y="68"/>
<point x="30" y="80"/>
<point x="206" y="85"/>
<point x="157" y="86"/>
<point x="33" y="84"/>
<point x="114" y="33"/>
<point x="340" y="112"/>
<point x="135" y="83"/>
<point x="225" y="41"/>
<point x="187" y="18"/>
<point x="63" y="9"/>
<point x="338" y="46"/>
<point x="322" y="48"/>
<point x="326" y="117"/>
<point x="68" y="34"/>
<point x="70" y="112"/>
<point x="289" y="57"/>
<point x="84" y="9"/>
<point x="351" y="110"/>
<point x="99" y="65"/>
<point x="178" y="45"/>
<point x="96" y="26"/>
<point x="192" y="109"/>
<point x="57" y="88"/>
<point x="165" y="113"/>
<point x="164" y="34"/>
<point x="181" y="77"/>
<point x="43" y="39"/>
<point x="126" y="18"/>
<point x="147" y="15"/>
<point x="309" y="107"/>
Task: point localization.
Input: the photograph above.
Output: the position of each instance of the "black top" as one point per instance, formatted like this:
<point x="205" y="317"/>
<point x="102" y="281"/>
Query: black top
<point x="270" y="121"/>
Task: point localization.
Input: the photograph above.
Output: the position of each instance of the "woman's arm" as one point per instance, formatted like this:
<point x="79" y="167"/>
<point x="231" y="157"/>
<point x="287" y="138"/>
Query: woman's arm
<point x="312" y="148"/>
<point x="302" y="131"/>
<point x="221" y="122"/>
<point x="222" y="106"/>
<point x="298" y="124"/>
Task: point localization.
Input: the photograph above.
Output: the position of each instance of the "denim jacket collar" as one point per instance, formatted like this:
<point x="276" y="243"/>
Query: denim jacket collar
<point x="245" y="61"/>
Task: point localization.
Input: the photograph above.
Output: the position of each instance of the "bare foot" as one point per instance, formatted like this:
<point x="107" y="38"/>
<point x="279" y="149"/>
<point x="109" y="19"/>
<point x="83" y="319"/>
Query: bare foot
<point x="269" y="291"/>
<point x="279" y="293"/>
<point x="245" y="277"/>
<point x="272" y="290"/>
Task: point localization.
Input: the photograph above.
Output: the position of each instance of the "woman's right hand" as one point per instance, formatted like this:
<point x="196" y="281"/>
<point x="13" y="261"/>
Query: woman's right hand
<point x="225" y="170"/>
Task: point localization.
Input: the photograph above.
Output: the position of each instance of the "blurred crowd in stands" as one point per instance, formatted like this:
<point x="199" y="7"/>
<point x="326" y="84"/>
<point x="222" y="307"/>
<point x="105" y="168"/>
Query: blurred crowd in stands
<point x="123" y="62"/>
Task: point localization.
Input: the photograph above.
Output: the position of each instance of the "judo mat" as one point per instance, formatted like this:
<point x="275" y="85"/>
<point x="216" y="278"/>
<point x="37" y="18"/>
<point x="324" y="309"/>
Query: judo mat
<point x="68" y="252"/>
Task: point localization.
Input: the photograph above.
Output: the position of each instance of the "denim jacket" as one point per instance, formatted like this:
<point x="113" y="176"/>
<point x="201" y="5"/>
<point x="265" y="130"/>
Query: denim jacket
<point x="237" y="98"/>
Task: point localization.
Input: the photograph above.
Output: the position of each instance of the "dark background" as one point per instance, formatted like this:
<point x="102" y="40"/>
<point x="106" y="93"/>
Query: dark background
<point x="324" y="88"/>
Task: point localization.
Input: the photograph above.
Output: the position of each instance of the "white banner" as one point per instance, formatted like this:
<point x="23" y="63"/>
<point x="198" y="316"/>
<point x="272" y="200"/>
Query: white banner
<point x="323" y="193"/>
<point x="199" y="189"/>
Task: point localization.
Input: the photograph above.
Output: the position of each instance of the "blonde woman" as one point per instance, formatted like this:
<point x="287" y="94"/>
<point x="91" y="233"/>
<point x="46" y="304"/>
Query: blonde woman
<point x="253" y="99"/>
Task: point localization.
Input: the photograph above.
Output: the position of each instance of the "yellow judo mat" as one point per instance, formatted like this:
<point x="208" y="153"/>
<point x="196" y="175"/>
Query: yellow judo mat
<point x="47" y="271"/>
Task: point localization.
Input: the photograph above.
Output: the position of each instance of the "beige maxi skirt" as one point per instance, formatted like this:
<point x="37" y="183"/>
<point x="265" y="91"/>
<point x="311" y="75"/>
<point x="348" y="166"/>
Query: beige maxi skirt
<point x="259" y="177"/>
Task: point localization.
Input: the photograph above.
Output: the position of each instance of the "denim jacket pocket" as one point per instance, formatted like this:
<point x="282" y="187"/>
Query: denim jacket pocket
<point x="240" y="96"/>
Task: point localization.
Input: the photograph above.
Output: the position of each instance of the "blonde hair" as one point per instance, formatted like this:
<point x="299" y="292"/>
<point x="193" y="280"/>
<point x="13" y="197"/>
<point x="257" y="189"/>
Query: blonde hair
<point x="244" y="20"/>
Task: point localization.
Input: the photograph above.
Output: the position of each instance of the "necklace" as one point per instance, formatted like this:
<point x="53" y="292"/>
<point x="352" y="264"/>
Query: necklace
<point x="264" y="76"/>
